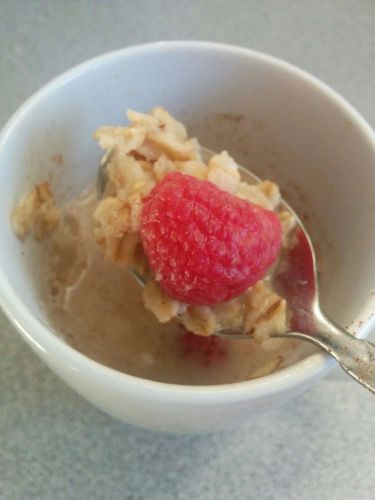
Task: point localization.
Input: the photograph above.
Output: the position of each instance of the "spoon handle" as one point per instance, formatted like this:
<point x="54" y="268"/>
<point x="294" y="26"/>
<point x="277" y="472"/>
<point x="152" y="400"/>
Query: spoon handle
<point x="356" y="356"/>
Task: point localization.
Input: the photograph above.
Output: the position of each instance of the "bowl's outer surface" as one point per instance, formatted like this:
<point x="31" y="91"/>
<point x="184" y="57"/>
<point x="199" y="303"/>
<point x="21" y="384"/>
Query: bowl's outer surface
<point x="275" y="119"/>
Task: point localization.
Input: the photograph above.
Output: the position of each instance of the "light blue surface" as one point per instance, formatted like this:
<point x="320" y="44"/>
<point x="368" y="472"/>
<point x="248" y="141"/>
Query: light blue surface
<point x="55" y="445"/>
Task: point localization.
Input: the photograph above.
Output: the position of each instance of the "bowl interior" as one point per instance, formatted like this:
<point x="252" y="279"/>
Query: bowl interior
<point x="272" y="118"/>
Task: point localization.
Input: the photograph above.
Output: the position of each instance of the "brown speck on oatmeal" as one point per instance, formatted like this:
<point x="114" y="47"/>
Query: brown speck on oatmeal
<point x="259" y="126"/>
<point x="230" y="117"/>
<point x="268" y="313"/>
<point x="58" y="159"/>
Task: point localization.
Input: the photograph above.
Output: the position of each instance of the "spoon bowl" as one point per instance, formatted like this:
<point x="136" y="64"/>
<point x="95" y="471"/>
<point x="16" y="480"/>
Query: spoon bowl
<point x="295" y="279"/>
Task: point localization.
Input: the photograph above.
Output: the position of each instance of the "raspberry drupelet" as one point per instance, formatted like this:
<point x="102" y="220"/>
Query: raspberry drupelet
<point x="203" y="244"/>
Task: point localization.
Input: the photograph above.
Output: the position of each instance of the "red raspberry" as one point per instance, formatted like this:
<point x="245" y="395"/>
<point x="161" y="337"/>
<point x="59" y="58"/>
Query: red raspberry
<point x="204" y="245"/>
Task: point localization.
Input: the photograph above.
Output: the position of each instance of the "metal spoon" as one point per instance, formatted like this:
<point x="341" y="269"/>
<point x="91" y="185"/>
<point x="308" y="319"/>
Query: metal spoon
<point x="295" y="279"/>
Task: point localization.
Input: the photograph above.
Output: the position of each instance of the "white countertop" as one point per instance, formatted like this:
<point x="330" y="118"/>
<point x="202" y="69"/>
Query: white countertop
<point x="55" y="445"/>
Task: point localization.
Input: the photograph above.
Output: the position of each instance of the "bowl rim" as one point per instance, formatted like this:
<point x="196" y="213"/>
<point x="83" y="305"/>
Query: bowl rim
<point x="49" y="345"/>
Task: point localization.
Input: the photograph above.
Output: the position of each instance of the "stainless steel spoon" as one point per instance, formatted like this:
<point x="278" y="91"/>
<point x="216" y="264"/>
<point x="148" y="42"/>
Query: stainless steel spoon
<point x="295" y="279"/>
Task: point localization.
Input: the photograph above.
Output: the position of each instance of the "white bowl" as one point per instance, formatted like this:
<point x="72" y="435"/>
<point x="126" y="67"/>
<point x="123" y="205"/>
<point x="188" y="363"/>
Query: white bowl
<point x="274" y="118"/>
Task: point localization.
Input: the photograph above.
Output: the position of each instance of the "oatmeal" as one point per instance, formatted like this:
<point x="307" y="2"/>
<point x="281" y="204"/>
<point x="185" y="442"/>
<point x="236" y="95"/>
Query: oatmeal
<point x="143" y="157"/>
<point x="93" y="301"/>
<point x="36" y="211"/>
<point x="98" y="309"/>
